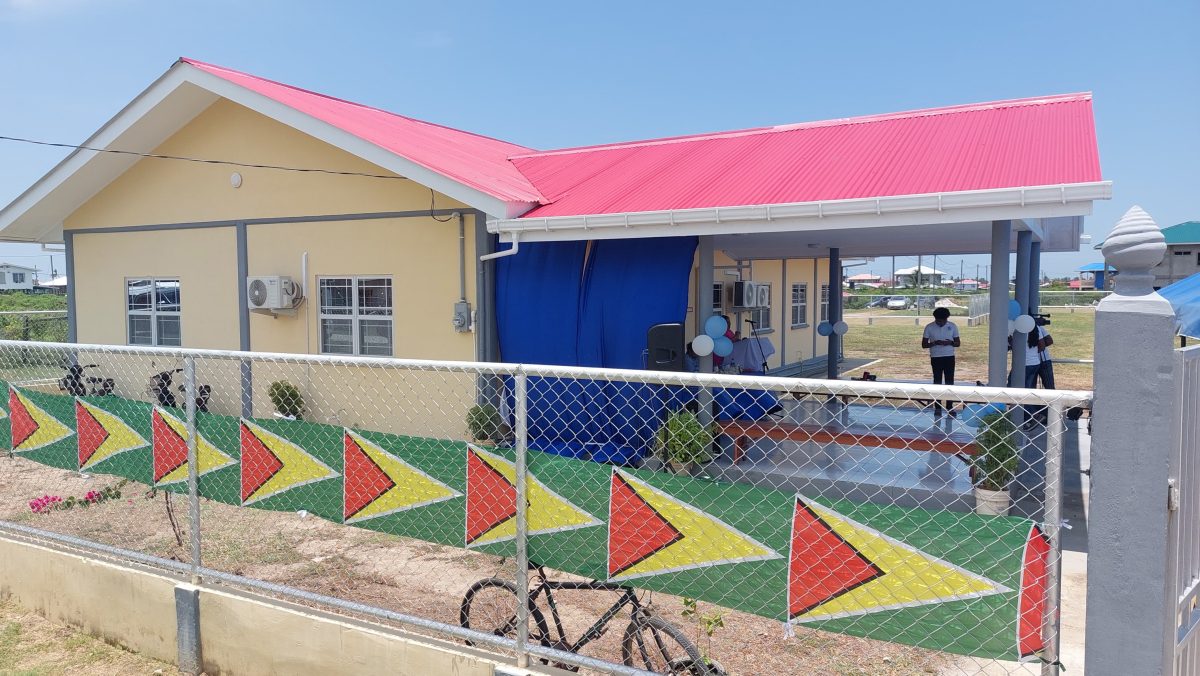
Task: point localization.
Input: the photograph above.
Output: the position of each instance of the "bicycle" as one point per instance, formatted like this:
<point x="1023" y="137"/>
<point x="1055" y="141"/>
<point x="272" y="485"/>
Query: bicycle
<point x="649" y="642"/>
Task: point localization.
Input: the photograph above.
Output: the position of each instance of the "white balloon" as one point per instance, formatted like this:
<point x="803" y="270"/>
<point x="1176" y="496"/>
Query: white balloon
<point x="1011" y="327"/>
<point x="1024" y="323"/>
<point x="841" y="328"/>
<point x="702" y="345"/>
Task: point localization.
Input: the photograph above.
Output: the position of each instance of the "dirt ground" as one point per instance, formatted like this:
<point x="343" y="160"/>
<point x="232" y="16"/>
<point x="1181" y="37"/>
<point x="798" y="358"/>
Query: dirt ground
<point x="31" y="645"/>
<point x="411" y="576"/>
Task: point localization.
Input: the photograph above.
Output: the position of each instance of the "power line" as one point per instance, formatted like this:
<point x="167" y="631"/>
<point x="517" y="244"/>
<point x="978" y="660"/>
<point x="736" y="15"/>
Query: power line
<point x="231" y="163"/>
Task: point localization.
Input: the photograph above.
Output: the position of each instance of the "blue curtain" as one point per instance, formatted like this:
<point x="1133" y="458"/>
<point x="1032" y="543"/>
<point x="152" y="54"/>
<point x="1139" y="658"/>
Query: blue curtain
<point x="550" y="310"/>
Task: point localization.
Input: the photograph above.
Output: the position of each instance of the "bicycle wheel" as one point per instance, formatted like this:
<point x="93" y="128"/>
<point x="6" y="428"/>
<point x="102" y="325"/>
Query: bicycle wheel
<point x="490" y="606"/>
<point x="654" y="644"/>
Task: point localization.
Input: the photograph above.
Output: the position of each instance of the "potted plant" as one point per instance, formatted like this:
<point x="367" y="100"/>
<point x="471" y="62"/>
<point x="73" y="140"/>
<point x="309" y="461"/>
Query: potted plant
<point x="485" y="425"/>
<point x="994" y="465"/>
<point x="683" y="442"/>
<point x="287" y="400"/>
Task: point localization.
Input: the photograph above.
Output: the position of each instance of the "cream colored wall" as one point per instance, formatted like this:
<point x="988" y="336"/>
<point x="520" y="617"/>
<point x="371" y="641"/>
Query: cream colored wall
<point x="162" y="191"/>
<point x="419" y="254"/>
<point x="204" y="260"/>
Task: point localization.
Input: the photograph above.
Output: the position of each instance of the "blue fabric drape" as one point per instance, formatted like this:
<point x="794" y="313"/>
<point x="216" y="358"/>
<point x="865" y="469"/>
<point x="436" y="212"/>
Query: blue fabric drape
<point x="550" y="310"/>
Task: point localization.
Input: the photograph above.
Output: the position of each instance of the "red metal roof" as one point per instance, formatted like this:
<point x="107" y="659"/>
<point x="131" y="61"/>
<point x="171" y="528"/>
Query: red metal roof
<point x="471" y="159"/>
<point x="1003" y="144"/>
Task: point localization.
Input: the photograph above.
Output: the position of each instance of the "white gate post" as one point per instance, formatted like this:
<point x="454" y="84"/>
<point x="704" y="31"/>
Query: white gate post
<point x="1127" y="523"/>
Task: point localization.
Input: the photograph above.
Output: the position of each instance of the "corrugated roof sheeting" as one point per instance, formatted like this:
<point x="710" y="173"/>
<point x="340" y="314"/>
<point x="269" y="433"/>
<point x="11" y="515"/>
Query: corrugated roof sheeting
<point x="1030" y="142"/>
<point x="471" y="159"/>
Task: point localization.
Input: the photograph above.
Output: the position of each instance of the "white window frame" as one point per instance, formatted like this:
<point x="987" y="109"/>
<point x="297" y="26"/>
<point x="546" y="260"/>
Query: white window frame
<point x="824" y="302"/>
<point x="718" y="294"/>
<point x="153" y="313"/>
<point x="15" y="279"/>
<point x="762" y="315"/>
<point x="356" y="316"/>
<point x="799" y="308"/>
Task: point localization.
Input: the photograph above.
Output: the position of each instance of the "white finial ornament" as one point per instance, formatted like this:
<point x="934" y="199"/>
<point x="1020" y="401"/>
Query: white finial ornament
<point x="1134" y="246"/>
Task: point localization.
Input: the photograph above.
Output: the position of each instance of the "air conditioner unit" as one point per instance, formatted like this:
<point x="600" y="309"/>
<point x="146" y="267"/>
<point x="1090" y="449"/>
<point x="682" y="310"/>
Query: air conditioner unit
<point x="273" y="292"/>
<point x="763" y="296"/>
<point x="745" y="294"/>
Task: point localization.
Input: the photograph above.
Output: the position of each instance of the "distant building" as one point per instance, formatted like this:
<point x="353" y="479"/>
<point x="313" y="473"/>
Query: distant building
<point x="865" y="279"/>
<point x="1183" y="253"/>
<point x="1095" y="276"/>
<point x="16" y="277"/>
<point x="966" y="285"/>
<point x="907" y="277"/>
<point x="56" y="285"/>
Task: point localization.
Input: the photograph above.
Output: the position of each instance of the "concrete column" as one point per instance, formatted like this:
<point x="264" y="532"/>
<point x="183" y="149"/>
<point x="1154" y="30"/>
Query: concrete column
<point x="835" y="312"/>
<point x="187" y="629"/>
<point x="998" y="296"/>
<point x="1017" y="377"/>
<point x="1130" y="626"/>
<point x="1035" y="277"/>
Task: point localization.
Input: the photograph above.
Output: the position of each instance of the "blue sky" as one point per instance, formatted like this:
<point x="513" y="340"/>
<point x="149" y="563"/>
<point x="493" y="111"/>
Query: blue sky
<point x="551" y="74"/>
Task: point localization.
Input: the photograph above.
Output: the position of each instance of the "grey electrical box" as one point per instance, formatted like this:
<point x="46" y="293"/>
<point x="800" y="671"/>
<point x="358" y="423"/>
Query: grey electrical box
<point x="462" y="316"/>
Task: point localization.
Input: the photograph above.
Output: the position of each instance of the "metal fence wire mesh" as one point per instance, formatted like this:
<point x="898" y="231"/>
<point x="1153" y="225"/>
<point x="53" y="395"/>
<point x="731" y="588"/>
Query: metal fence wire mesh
<point x="671" y="522"/>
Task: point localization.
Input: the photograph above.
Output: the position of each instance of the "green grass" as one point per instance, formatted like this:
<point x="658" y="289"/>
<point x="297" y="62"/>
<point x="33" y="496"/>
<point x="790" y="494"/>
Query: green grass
<point x="50" y="328"/>
<point x="898" y="347"/>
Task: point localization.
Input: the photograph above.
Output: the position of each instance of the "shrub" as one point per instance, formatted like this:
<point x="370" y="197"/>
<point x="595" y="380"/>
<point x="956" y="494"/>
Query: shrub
<point x="683" y="440"/>
<point x="995" y="461"/>
<point x="286" y="399"/>
<point x="484" y="423"/>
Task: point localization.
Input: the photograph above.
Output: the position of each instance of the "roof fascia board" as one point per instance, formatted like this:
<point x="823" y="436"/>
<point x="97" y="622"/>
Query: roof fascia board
<point x="128" y="116"/>
<point x="976" y="205"/>
<point x="354" y="145"/>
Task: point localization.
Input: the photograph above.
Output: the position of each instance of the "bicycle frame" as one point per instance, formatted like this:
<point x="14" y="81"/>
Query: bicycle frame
<point x="628" y="598"/>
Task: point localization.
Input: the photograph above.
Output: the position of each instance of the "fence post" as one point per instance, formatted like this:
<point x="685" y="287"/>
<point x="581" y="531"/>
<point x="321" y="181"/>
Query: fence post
<point x="521" y="392"/>
<point x="1052" y="620"/>
<point x="189" y="395"/>
<point x="1127" y="523"/>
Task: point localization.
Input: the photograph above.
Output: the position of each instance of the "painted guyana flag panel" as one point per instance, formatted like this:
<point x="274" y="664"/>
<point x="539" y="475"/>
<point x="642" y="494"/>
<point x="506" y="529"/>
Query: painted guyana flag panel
<point x="949" y="581"/>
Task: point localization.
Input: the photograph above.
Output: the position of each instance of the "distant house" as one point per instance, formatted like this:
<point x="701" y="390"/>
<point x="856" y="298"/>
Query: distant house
<point x="56" y="285"/>
<point x="1095" y="276"/>
<point x="865" y="279"/>
<point x="16" y="277"/>
<point x="966" y="285"/>
<point x="1183" y="253"/>
<point x="907" y="277"/>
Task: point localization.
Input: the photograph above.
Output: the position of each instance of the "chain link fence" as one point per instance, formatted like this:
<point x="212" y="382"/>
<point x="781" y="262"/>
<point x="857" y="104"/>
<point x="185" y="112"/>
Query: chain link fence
<point x="671" y="522"/>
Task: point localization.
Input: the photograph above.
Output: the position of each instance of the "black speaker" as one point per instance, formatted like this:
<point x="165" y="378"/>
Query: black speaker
<point x="664" y="344"/>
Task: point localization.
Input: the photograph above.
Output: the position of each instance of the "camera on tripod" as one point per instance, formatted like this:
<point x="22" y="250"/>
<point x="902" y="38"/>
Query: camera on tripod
<point x="1042" y="320"/>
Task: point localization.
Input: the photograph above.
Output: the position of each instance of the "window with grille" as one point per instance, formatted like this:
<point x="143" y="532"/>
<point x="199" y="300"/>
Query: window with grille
<point x="762" y="315"/>
<point x="356" y="315"/>
<point x="152" y="310"/>
<point x="799" y="305"/>
<point x="824" y="302"/>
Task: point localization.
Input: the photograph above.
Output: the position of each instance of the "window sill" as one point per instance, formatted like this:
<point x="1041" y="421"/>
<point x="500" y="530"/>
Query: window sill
<point x="760" y="332"/>
<point x="800" y="326"/>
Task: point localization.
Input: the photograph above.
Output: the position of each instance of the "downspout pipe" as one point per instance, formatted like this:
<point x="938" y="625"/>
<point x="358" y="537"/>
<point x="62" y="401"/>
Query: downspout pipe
<point x="516" y="246"/>
<point x="462" y="257"/>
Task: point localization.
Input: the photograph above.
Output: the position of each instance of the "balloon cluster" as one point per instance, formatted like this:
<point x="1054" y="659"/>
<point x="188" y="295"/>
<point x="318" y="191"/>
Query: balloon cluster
<point x="713" y="340"/>
<point x="1018" y="321"/>
<point x="828" y="329"/>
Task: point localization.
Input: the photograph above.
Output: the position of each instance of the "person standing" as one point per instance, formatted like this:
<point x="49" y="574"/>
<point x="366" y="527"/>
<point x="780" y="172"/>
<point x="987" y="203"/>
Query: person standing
<point x="941" y="339"/>
<point x="1038" y="364"/>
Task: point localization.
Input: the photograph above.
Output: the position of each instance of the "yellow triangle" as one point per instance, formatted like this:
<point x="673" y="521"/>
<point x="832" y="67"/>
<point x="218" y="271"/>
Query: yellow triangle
<point x="413" y="488"/>
<point x="299" y="468"/>
<point x="49" y="430"/>
<point x="706" y="540"/>
<point x="3" y="414"/>
<point x="548" y="512"/>
<point x="121" y="437"/>
<point x="209" y="457"/>
<point x="911" y="577"/>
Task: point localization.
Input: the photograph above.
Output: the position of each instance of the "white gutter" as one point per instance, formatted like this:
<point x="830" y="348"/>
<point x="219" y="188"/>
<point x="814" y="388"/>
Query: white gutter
<point x="948" y="207"/>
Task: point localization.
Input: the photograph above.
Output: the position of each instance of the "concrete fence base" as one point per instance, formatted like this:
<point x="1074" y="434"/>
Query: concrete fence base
<point x="218" y="631"/>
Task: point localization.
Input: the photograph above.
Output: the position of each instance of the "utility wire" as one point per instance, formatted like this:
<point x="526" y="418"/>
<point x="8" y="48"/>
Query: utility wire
<point x="199" y="160"/>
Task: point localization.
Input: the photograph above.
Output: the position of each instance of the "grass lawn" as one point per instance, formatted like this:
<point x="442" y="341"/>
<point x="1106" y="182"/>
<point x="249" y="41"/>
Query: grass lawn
<point x="31" y="645"/>
<point x="898" y="347"/>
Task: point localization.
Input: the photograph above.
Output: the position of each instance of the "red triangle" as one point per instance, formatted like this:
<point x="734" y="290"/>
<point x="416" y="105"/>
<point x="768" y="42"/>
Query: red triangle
<point x="365" y="481"/>
<point x="23" y="424"/>
<point x="170" y="449"/>
<point x="636" y="530"/>
<point x="1031" y="608"/>
<point x="823" y="566"/>
<point x="259" y="464"/>
<point x="91" y="433"/>
<point x="491" y="498"/>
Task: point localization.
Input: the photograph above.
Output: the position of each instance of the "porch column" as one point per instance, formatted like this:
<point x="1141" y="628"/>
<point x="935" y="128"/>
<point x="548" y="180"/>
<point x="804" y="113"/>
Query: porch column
<point x="1035" y="277"/>
<point x="704" y="279"/>
<point x="1024" y="244"/>
<point x="998" y="297"/>
<point x="835" y="312"/>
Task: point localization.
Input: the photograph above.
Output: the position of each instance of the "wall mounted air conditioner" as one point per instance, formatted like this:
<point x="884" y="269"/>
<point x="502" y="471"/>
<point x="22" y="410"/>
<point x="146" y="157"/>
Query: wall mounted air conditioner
<point x="273" y="293"/>
<point x="763" y="296"/>
<point x="745" y="294"/>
